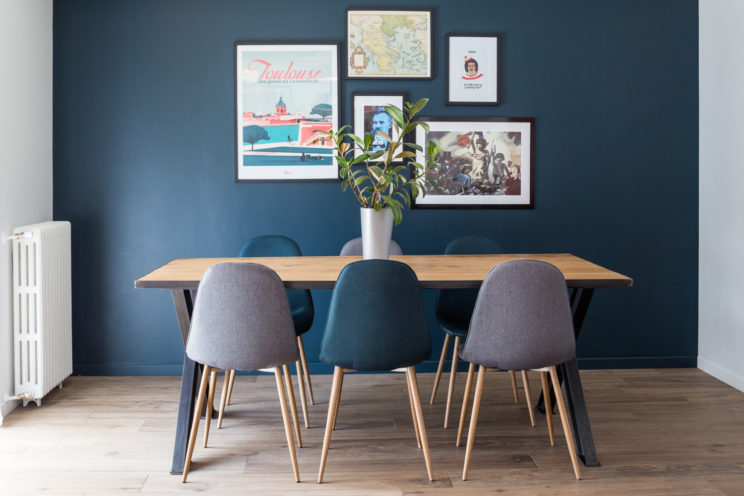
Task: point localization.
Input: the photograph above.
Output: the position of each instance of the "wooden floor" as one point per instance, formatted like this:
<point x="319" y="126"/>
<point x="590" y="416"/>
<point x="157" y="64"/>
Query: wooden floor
<point x="657" y="432"/>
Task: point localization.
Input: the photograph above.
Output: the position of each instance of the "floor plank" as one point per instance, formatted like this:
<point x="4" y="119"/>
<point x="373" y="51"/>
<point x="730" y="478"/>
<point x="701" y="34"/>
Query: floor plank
<point x="659" y="432"/>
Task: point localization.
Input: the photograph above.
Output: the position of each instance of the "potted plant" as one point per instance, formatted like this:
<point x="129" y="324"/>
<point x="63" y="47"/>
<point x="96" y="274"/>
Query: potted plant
<point x="382" y="187"/>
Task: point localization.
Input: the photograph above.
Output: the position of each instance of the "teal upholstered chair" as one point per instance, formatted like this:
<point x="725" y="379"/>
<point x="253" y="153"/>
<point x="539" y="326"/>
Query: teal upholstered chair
<point x="376" y="322"/>
<point x="454" y="307"/>
<point x="301" y="305"/>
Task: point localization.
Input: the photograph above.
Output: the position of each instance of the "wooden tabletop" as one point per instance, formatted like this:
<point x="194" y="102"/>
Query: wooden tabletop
<point x="433" y="271"/>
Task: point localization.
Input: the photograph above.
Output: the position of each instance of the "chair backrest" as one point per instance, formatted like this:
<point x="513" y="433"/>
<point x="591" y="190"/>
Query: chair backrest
<point x="376" y="318"/>
<point x="300" y="300"/>
<point x="354" y="247"/>
<point x="522" y="319"/>
<point x="241" y="319"/>
<point x="454" y="307"/>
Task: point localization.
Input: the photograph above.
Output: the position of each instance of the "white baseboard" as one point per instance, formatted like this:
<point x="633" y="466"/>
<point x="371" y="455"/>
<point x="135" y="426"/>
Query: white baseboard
<point x="6" y="408"/>
<point x="721" y="373"/>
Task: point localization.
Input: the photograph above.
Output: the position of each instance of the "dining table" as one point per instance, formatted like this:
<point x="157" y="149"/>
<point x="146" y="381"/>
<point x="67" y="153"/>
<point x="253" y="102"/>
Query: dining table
<point x="181" y="276"/>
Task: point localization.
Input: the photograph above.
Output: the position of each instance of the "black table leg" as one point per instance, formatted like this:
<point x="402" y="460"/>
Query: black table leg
<point x="569" y="371"/>
<point x="579" y="416"/>
<point x="189" y="382"/>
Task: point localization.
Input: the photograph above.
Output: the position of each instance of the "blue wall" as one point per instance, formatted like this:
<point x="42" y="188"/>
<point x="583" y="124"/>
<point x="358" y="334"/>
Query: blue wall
<point x="143" y="160"/>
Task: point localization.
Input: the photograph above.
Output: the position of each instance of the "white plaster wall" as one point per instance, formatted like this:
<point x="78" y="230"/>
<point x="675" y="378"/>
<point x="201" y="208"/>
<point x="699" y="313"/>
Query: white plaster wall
<point x="25" y="144"/>
<point x="721" y="284"/>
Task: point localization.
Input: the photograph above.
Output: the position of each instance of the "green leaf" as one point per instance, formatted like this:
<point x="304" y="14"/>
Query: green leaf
<point x="397" y="214"/>
<point x="368" y="137"/>
<point x="415" y="146"/>
<point x="423" y="124"/>
<point x="357" y="139"/>
<point x="376" y="155"/>
<point x="396" y="114"/>
<point x="405" y="154"/>
<point x="418" y="106"/>
<point x="360" y="158"/>
<point x="433" y="149"/>
<point x="359" y="180"/>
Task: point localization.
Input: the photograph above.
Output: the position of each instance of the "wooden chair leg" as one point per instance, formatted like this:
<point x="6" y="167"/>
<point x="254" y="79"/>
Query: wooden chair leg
<point x="548" y="406"/>
<point x="465" y="401"/>
<point x="453" y="375"/>
<point x="473" y="420"/>
<point x="439" y="368"/>
<point x="210" y="404"/>
<point x="338" y="405"/>
<point x="513" y="376"/>
<point x="338" y="374"/>
<point x="195" y="422"/>
<point x="303" y="397"/>
<point x="230" y="387"/>
<point x="411" y="371"/>
<point x="223" y="398"/>
<point x="285" y="418"/>
<point x="303" y="360"/>
<point x="292" y="403"/>
<point x="527" y="394"/>
<point x="413" y="410"/>
<point x="564" y="421"/>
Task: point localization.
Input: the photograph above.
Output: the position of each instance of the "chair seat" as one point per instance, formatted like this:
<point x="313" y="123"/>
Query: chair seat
<point x="454" y="328"/>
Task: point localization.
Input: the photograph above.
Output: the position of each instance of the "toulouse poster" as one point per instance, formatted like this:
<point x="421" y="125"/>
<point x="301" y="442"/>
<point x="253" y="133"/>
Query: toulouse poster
<point x="286" y="100"/>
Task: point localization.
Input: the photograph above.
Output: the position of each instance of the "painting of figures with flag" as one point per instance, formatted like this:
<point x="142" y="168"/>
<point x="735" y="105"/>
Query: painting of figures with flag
<point x="481" y="163"/>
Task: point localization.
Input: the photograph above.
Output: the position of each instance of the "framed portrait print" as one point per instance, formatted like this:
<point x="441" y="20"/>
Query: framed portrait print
<point x="370" y="116"/>
<point x="286" y="99"/>
<point x="482" y="162"/>
<point x="388" y="44"/>
<point x="472" y="69"/>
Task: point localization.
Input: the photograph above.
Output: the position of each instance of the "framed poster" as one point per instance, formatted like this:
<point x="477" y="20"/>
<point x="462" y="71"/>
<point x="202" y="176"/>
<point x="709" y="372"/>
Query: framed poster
<point x="472" y="69"/>
<point x="370" y="116"/>
<point x="388" y="44"/>
<point x="286" y="98"/>
<point x="483" y="162"/>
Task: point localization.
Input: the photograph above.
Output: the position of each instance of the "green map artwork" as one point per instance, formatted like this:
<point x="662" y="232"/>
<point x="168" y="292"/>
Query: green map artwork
<point x="389" y="43"/>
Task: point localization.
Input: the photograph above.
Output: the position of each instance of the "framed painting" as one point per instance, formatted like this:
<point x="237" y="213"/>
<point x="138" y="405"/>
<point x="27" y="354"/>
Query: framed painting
<point x="286" y="99"/>
<point x="388" y="44"/>
<point x="472" y="69"/>
<point x="483" y="162"/>
<point x="370" y="116"/>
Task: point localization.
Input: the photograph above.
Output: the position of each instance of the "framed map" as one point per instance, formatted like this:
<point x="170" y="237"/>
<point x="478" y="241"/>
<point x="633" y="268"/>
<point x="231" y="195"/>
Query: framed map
<point x="388" y="44"/>
<point x="286" y="100"/>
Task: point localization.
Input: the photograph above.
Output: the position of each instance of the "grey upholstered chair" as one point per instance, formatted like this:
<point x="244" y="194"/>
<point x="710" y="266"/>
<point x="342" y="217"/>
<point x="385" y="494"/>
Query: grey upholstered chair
<point x="242" y="321"/>
<point x="521" y="321"/>
<point x="354" y="247"/>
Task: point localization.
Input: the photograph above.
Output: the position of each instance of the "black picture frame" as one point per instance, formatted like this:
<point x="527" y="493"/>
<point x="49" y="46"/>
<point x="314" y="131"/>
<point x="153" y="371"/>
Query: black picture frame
<point x="298" y="164"/>
<point x="460" y="183"/>
<point x="360" y="100"/>
<point x="481" y="87"/>
<point x="348" y="51"/>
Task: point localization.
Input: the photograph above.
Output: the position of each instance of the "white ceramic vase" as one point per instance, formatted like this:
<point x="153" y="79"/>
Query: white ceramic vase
<point x="377" y="230"/>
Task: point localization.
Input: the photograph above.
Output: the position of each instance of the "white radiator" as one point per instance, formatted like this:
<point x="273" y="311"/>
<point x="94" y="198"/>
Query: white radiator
<point x="42" y="311"/>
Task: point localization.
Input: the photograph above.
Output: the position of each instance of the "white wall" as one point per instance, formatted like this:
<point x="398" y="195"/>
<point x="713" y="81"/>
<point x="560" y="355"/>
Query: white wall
<point x="721" y="285"/>
<point x="25" y="144"/>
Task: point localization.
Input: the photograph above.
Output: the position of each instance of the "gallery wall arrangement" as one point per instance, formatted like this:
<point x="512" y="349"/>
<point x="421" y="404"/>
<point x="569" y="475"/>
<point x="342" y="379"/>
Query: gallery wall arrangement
<point x="181" y="129"/>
